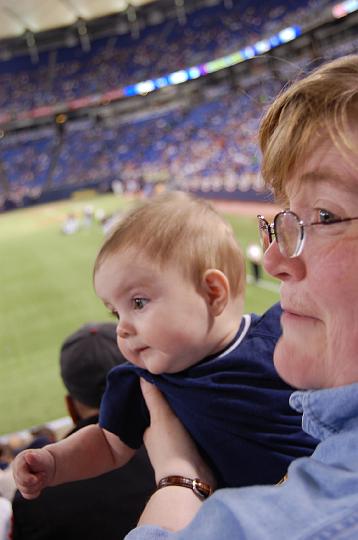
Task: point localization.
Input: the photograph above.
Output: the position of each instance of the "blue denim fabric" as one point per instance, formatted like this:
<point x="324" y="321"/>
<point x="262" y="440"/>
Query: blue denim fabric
<point x="319" y="501"/>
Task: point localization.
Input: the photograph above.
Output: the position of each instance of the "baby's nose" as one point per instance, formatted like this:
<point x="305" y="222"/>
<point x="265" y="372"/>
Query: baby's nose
<point x="123" y="334"/>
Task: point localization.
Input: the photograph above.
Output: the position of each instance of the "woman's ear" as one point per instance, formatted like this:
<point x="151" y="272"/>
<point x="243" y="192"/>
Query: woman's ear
<point x="216" y="290"/>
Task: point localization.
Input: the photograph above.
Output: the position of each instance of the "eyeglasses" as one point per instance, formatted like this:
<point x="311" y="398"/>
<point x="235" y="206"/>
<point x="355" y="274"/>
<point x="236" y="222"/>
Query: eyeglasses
<point x="289" y="232"/>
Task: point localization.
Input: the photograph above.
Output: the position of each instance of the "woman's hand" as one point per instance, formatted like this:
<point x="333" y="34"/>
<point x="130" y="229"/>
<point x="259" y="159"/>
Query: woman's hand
<point x="172" y="452"/>
<point x="170" y="447"/>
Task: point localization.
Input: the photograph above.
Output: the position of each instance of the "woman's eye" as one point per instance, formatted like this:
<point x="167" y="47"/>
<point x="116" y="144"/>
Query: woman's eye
<point x="139" y="303"/>
<point x="325" y="216"/>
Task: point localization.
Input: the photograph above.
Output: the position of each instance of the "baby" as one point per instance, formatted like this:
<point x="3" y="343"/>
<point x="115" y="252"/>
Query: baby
<point x="173" y="275"/>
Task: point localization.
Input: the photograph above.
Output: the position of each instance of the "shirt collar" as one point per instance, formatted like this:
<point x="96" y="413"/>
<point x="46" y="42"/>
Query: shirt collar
<point x="243" y="329"/>
<point x="327" y="411"/>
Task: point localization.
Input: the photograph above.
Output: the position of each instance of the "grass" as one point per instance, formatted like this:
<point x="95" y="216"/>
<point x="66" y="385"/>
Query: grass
<point x="46" y="293"/>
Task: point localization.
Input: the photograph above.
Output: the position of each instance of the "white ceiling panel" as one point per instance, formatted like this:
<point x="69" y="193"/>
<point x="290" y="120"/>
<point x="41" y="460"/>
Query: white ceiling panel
<point x="9" y="25"/>
<point x="39" y="15"/>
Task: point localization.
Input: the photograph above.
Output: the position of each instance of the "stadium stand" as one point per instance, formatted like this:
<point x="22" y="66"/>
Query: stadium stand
<point x="200" y="137"/>
<point x="211" y="142"/>
<point x="209" y="147"/>
<point x="69" y="73"/>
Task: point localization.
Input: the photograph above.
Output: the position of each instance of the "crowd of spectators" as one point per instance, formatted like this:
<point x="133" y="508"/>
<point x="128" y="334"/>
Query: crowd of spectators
<point x="116" y="61"/>
<point x="207" y="145"/>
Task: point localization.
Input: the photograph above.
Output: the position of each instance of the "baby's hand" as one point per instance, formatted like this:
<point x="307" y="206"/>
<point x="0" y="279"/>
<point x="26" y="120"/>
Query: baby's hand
<point x="33" y="470"/>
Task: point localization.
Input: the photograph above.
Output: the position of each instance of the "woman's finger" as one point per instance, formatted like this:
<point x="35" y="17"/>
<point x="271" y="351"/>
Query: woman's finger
<point x="169" y="445"/>
<point x="156" y="403"/>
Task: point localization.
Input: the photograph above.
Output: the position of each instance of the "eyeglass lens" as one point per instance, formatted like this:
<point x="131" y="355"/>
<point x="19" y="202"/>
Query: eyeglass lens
<point x="288" y="233"/>
<point x="264" y="232"/>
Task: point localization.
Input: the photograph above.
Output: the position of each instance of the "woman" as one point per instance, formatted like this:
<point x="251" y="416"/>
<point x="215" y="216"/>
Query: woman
<point x="309" y="141"/>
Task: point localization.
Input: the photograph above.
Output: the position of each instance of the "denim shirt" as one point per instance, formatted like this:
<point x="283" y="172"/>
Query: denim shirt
<point x="318" y="501"/>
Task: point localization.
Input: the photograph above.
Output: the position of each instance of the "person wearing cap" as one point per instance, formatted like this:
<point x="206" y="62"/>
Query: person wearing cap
<point x="104" y="507"/>
<point x="86" y="357"/>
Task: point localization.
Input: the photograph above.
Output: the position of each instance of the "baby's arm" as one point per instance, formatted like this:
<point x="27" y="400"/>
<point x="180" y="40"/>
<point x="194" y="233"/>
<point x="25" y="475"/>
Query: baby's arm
<point x="89" y="452"/>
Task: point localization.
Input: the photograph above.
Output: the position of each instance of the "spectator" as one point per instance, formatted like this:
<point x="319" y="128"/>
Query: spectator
<point x="40" y="436"/>
<point x="8" y="452"/>
<point x="6" y="456"/>
<point x="5" y="518"/>
<point x="70" y="225"/>
<point x="254" y="256"/>
<point x="174" y="275"/>
<point x="309" y="139"/>
<point x="104" y="507"/>
<point x="7" y="483"/>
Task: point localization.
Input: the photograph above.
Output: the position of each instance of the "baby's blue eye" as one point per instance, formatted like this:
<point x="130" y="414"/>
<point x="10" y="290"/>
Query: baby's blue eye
<point x="139" y="303"/>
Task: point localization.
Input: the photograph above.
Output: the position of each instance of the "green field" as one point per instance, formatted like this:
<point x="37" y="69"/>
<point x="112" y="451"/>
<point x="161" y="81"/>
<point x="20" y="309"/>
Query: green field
<point x="46" y="293"/>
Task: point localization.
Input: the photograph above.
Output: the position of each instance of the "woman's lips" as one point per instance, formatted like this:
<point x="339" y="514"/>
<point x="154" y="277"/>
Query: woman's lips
<point x="295" y="316"/>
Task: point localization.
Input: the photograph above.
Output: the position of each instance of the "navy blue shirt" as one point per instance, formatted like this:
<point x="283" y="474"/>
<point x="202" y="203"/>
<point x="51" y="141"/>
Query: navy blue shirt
<point x="233" y="404"/>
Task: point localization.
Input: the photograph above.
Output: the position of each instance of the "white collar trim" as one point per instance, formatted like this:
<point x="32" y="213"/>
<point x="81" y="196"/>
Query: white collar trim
<point x="247" y="321"/>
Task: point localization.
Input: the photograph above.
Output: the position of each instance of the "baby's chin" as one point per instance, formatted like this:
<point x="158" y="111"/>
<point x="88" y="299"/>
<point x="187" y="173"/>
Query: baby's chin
<point x="154" y="371"/>
<point x="151" y="361"/>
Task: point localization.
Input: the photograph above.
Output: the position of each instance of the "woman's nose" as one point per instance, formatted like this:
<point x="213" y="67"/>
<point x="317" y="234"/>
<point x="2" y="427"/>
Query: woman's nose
<point x="282" y="267"/>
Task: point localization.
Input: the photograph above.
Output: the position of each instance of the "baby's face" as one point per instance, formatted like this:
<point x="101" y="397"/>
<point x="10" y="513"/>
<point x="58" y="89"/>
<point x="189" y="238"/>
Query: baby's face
<point x="163" y="321"/>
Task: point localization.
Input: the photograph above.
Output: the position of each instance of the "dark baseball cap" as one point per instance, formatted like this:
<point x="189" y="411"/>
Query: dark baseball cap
<point x="86" y="357"/>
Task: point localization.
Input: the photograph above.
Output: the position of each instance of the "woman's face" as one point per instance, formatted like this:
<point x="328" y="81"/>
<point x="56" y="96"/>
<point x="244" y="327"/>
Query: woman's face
<point x="319" y="289"/>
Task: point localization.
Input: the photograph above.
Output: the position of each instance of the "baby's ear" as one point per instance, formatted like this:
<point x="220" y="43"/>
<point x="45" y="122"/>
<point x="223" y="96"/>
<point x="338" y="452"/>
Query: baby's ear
<point x="216" y="290"/>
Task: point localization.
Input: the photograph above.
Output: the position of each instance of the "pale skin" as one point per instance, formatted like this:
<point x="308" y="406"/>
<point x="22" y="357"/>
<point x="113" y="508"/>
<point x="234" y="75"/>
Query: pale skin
<point x="42" y="463"/>
<point x="73" y="458"/>
<point x="319" y="288"/>
<point x="150" y="334"/>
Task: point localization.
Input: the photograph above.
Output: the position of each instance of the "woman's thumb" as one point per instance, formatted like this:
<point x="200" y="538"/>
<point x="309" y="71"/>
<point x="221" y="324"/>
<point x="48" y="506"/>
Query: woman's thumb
<point x="156" y="403"/>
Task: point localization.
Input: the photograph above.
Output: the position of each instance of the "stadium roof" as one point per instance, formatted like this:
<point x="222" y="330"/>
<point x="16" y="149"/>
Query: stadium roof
<point x="17" y="17"/>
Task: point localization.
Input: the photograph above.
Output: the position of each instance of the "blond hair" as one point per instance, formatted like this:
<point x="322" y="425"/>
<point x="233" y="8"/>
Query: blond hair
<point x="181" y="229"/>
<point x="321" y="103"/>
